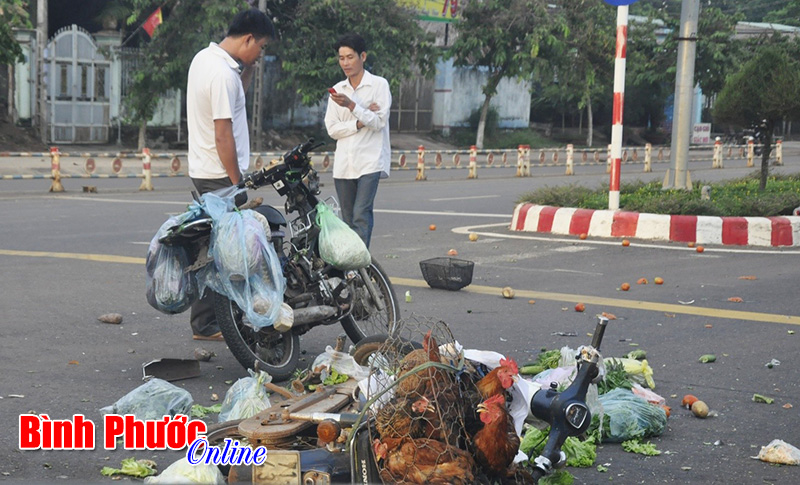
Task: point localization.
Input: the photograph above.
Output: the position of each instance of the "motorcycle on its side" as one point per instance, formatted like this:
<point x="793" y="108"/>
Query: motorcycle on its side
<point x="363" y="301"/>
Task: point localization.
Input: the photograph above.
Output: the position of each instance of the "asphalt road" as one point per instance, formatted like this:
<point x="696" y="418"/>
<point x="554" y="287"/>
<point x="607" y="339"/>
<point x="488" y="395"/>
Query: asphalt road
<point x="68" y="258"/>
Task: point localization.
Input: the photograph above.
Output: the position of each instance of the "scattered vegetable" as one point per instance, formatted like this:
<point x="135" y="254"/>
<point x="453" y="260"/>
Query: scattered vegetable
<point x="636" y="446"/>
<point x="335" y="378"/>
<point x="132" y="467"/>
<point x="508" y="292"/>
<point x="580" y="307"/>
<point x="583" y="235"/>
<point x="735" y="299"/>
<point x="473" y="236"/>
<point x="452" y="252"/>
<point x="637" y="354"/>
<point x="432" y="227"/>
<point x="762" y="399"/>
<point x="626" y="243"/>
<point x="610" y="316"/>
<point x="658" y="280"/>
<point x="688" y="400"/>
<point x="700" y="409"/>
<point x="625" y="286"/>
<point x="700" y="249"/>
<point x="616" y="376"/>
<point x="642" y="281"/>
<point x="708" y="358"/>
<point x="200" y="411"/>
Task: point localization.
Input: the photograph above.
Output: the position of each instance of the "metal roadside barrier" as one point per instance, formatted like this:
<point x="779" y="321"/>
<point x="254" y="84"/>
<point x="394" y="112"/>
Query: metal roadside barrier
<point x="568" y="157"/>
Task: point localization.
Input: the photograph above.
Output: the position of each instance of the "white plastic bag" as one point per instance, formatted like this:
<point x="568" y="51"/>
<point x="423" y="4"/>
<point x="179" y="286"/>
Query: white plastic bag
<point x="246" y="397"/>
<point x="154" y="399"/>
<point x="779" y="451"/>
<point x="183" y="472"/>
<point x="341" y="362"/>
<point x="339" y="245"/>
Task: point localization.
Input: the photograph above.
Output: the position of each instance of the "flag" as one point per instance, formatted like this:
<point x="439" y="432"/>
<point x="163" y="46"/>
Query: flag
<point x="153" y="21"/>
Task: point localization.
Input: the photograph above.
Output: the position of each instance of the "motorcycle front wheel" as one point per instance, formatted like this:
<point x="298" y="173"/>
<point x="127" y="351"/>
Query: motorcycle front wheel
<point x="367" y="317"/>
<point x="276" y="353"/>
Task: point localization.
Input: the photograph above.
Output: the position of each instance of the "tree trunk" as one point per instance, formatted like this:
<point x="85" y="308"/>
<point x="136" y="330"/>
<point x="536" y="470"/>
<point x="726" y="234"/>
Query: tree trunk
<point x="765" y="151"/>
<point x="142" y="135"/>
<point x="580" y="122"/>
<point x="482" y="122"/>
<point x="590" y="123"/>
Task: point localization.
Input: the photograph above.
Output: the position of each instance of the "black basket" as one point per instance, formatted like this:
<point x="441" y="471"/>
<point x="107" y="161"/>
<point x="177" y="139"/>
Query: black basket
<point x="447" y="273"/>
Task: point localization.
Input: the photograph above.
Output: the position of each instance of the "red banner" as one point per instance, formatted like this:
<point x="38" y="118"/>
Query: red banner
<point x="153" y="21"/>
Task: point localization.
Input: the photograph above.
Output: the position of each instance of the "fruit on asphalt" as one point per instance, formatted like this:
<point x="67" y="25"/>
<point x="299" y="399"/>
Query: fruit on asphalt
<point x="452" y="252"/>
<point x="625" y="286"/>
<point x="473" y="236"/>
<point x="700" y="249"/>
<point x="691" y="244"/>
<point x="700" y="409"/>
<point x="626" y="243"/>
<point x="580" y="307"/>
<point x="508" y="292"/>
<point x="432" y="227"/>
<point x="688" y="400"/>
<point x="531" y="302"/>
<point x="583" y="235"/>
<point x="642" y="281"/>
<point x="658" y="280"/>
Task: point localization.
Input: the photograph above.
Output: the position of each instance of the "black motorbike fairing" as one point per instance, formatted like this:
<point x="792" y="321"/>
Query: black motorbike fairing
<point x="273" y="215"/>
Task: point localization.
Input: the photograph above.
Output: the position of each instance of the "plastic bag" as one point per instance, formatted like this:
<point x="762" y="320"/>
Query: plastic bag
<point x="630" y="416"/>
<point x="170" y="289"/>
<point x="154" y="399"/>
<point x="779" y="451"/>
<point x="246" y="397"/>
<point x="341" y="362"/>
<point x="183" y="472"/>
<point x="246" y="268"/>
<point x="339" y="245"/>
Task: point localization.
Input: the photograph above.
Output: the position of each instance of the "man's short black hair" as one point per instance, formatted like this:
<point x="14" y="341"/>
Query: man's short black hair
<point x="353" y="41"/>
<point x="252" y="21"/>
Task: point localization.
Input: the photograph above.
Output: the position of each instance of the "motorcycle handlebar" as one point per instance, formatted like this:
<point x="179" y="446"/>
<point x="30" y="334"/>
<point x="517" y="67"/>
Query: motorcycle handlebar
<point x="296" y="158"/>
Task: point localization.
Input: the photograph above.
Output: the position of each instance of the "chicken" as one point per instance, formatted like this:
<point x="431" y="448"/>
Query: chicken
<point x="499" y="379"/>
<point x="419" y="384"/>
<point x="423" y="460"/>
<point x="497" y="443"/>
<point x="443" y="422"/>
<point x="403" y="418"/>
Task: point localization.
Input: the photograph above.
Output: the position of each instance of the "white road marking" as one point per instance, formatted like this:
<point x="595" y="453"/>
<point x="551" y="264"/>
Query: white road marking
<point x="445" y="213"/>
<point x="465" y="198"/>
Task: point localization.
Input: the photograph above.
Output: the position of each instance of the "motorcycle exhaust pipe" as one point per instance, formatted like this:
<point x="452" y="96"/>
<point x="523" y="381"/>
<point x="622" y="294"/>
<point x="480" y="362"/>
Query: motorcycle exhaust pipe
<point x="313" y="314"/>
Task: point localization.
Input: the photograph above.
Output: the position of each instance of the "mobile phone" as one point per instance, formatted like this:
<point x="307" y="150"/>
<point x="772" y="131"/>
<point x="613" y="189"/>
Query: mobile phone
<point x="331" y="90"/>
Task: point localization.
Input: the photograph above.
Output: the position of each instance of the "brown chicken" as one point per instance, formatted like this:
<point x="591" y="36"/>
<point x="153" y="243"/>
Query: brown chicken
<point x="403" y="418"/>
<point x="499" y="379"/>
<point x="497" y="443"/>
<point x="423" y="461"/>
<point x="419" y="384"/>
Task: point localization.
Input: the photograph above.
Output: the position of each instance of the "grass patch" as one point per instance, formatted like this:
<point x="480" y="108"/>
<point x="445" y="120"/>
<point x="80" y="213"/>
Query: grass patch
<point x="499" y="140"/>
<point x="736" y="198"/>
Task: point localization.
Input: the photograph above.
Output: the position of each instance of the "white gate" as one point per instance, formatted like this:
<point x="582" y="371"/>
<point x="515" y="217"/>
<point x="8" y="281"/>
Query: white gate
<point x="79" y="87"/>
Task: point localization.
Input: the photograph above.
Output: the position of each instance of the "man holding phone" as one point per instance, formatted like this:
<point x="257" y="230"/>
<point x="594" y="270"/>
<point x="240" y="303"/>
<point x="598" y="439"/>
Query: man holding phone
<point x="358" y="119"/>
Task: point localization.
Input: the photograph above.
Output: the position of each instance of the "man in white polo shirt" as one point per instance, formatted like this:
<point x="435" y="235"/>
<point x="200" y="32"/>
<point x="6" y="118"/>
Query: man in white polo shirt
<point x="358" y="119"/>
<point x="219" y="141"/>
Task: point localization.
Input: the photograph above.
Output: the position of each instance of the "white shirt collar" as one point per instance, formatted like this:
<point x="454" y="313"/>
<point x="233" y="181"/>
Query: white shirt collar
<point x="366" y="80"/>
<point x="219" y="51"/>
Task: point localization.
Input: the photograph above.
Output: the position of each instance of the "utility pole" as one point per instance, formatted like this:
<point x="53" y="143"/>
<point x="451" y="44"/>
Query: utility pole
<point x="258" y="87"/>
<point x="684" y="94"/>
<point x="41" y="87"/>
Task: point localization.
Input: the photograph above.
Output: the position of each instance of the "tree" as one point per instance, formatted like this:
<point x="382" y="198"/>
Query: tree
<point x="503" y="37"/>
<point x="13" y="13"/>
<point x="309" y="29"/>
<point x="789" y="14"/>
<point x="717" y="51"/>
<point x="765" y="90"/>
<point x="187" y="27"/>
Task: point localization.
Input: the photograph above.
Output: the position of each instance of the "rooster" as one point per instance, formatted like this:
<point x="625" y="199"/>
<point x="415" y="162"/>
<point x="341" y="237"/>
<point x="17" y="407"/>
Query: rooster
<point x="499" y="379"/>
<point x="423" y="460"/>
<point x="497" y="443"/>
<point x="403" y="418"/>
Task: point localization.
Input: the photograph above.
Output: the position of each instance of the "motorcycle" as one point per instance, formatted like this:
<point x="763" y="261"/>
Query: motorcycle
<point x="328" y="436"/>
<point x="363" y="301"/>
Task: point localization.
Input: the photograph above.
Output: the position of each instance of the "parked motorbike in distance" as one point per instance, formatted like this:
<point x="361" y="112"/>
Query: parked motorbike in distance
<point x="363" y="302"/>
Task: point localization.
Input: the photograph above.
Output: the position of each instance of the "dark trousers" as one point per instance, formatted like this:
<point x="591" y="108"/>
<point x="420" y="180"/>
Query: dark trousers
<point x="356" y="198"/>
<point x="203" y="319"/>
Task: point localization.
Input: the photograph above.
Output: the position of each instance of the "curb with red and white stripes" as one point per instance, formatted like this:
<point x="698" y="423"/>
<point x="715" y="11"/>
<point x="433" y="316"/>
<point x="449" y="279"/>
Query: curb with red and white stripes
<point x="738" y="231"/>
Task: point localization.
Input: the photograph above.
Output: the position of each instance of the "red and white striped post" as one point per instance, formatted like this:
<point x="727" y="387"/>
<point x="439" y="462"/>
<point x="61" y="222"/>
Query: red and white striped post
<point x="619" y="97"/>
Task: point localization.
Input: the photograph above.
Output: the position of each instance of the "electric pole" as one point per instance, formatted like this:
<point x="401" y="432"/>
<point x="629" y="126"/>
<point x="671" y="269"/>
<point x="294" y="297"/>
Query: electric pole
<point x="258" y="87"/>
<point x="684" y="95"/>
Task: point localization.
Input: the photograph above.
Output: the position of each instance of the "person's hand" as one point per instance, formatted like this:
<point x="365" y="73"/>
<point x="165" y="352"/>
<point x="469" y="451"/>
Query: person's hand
<point x="343" y="100"/>
<point x="374" y="107"/>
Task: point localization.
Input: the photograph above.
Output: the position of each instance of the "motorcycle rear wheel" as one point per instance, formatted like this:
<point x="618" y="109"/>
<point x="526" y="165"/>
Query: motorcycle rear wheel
<point x="276" y="353"/>
<point x="365" y="319"/>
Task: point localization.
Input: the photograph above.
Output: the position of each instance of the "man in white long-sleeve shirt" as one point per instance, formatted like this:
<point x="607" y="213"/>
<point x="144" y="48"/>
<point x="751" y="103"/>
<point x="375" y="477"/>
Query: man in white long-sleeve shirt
<point x="358" y="119"/>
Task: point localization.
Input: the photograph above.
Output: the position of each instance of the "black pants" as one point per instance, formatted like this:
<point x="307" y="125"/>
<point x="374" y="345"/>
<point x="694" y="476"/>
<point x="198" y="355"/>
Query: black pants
<point x="203" y="319"/>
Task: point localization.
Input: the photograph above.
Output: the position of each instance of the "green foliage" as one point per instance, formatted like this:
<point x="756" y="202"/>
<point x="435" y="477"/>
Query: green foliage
<point x="188" y="27"/>
<point x="636" y="446"/>
<point x="579" y="453"/>
<point x="492" y="120"/>
<point x="739" y="198"/>
<point x="13" y="13"/>
<point x="788" y="15"/>
<point x="309" y="29"/>
<point x="615" y="377"/>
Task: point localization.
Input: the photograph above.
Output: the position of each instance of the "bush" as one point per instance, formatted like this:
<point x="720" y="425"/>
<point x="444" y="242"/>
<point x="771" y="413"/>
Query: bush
<point x="736" y="198"/>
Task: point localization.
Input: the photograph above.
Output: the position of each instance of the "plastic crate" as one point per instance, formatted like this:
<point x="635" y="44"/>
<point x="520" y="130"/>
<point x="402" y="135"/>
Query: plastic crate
<point x="447" y="273"/>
